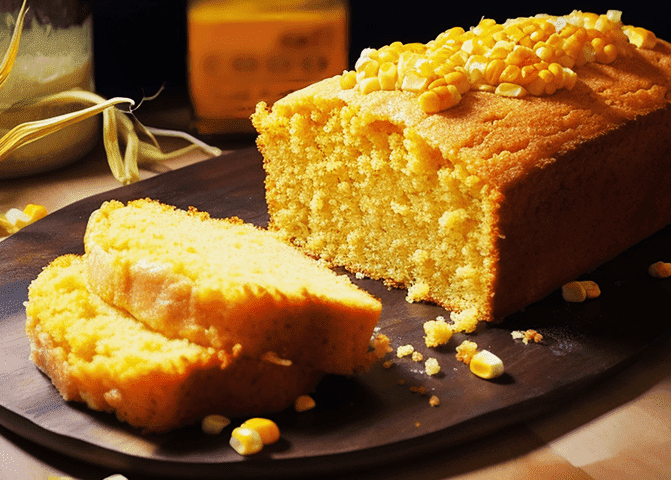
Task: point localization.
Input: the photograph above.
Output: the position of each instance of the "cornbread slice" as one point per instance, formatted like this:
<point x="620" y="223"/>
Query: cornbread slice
<point x="100" y="355"/>
<point x="494" y="201"/>
<point x="229" y="285"/>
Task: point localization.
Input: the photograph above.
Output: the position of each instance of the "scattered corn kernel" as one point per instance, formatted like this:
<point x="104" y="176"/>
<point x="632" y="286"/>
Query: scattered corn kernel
<point x="486" y="365"/>
<point x="116" y="476"/>
<point x="404" y="351"/>
<point x="489" y="55"/>
<point x="437" y="332"/>
<point x="466" y="350"/>
<point x="246" y="441"/>
<point x="660" y="269"/>
<point x="266" y="428"/>
<point x="14" y="219"/>
<point x="434" y="401"/>
<point x="214" y="424"/>
<point x="574" y="292"/>
<point x="431" y="366"/>
<point x="304" y="403"/>
<point x="592" y="290"/>
<point x="417" y="356"/>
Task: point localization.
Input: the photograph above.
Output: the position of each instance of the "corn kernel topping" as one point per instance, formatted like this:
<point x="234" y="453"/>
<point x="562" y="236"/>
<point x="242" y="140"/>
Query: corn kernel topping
<point x="527" y="55"/>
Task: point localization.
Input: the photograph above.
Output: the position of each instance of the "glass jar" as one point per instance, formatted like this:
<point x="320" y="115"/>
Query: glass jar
<point x="243" y="51"/>
<point x="55" y="54"/>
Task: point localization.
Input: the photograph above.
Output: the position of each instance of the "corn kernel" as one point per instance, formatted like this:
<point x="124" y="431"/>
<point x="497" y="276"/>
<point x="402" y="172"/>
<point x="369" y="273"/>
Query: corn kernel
<point x="434" y="401"/>
<point x="246" y="441"/>
<point x="459" y="80"/>
<point x="417" y="356"/>
<point x="486" y="365"/>
<point x="592" y="290"/>
<point x="387" y="76"/>
<point x="660" y="269"/>
<point x="511" y="90"/>
<point x="510" y="74"/>
<point x="348" y="80"/>
<point x="214" y="424"/>
<point x="494" y="70"/>
<point x="368" y="85"/>
<point x="35" y="212"/>
<point x="266" y="428"/>
<point x="430" y="102"/>
<point x="304" y="403"/>
<point x="574" y="292"/>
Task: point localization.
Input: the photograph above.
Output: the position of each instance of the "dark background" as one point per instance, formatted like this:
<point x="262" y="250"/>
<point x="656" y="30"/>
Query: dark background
<point x="140" y="45"/>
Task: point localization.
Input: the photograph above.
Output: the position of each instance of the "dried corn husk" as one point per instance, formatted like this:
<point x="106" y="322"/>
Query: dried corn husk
<point x="118" y="127"/>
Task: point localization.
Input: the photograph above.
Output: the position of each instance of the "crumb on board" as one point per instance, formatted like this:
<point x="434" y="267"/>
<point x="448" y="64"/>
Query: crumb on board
<point x="404" y="351"/>
<point x="431" y="366"/>
<point x="466" y="350"/>
<point x="527" y="336"/>
<point x="437" y="332"/>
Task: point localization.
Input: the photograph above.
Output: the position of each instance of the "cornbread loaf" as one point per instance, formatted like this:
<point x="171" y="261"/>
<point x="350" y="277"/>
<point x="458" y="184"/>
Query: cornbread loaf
<point x="100" y="355"/>
<point x="484" y="169"/>
<point x="229" y="285"/>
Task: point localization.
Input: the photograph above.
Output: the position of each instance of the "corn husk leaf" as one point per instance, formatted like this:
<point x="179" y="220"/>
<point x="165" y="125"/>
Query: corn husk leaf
<point x="10" y="54"/>
<point x="30" y="131"/>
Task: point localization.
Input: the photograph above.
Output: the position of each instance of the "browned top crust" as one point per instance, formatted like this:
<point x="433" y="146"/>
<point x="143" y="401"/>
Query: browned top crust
<point x="499" y="138"/>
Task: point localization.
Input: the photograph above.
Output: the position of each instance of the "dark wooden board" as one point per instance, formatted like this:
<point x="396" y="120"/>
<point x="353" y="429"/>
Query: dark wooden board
<point x="359" y="421"/>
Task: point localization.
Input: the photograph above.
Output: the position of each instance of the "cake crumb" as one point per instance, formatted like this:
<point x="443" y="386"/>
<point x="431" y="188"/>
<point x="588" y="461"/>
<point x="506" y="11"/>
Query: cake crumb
<point x="437" y="332"/>
<point x="465" y="321"/>
<point x="421" y="389"/>
<point x="434" y="401"/>
<point x="380" y="345"/>
<point x="466" y="350"/>
<point x="387" y="364"/>
<point x="431" y="366"/>
<point x="404" y="351"/>
<point x="527" y="336"/>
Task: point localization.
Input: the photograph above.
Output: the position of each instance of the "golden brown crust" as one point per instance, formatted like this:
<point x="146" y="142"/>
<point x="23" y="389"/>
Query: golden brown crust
<point x="574" y="178"/>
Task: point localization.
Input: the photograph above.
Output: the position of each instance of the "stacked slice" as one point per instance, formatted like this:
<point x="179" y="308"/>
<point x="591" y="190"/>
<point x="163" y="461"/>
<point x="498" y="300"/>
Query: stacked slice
<point x="172" y="315"/>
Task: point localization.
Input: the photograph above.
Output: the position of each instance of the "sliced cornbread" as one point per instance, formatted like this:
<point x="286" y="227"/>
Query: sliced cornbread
<point x="484" y="169"/>
<point x="229" y="285"/>
<point x="100" y="355"/>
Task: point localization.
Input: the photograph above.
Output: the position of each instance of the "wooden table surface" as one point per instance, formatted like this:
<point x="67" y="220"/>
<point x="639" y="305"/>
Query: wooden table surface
<point x="618" y="429"/>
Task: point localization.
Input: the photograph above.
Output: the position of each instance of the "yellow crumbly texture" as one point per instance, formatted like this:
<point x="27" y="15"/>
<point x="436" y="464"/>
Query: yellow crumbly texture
<point x="229" y="285"/>
<point x="99" y="355"/>
<point x="481" y="206"/>
<point x="409" y="204"/>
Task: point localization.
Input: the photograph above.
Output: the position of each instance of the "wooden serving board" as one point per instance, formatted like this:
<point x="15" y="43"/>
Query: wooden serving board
<point x="360" y="421"/>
